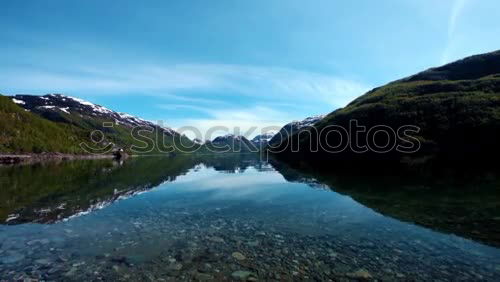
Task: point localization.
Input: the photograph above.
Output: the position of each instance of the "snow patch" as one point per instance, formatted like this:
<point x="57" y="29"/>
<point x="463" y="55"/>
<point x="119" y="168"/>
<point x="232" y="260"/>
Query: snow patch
<point x="95" y="108"/>
<point x="308" y="121"/>
<point x="11" y="217"/>
<point x="66" y="110"/>
<point x="46" y="107"/>
<point x="20" y="102"/>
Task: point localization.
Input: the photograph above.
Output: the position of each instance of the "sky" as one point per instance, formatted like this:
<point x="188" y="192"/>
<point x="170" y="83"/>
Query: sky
<point x="232" y="63"/>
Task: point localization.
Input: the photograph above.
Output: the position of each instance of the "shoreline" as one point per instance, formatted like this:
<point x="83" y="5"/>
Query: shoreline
<point x="12" y="159"/>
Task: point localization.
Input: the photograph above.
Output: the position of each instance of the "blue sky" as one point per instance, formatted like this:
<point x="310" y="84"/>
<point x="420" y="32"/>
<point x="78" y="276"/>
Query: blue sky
<point x="232" y="63"/>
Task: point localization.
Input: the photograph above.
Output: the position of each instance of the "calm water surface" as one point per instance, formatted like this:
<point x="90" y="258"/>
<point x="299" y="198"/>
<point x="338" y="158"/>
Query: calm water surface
<point x="238" y="218"/>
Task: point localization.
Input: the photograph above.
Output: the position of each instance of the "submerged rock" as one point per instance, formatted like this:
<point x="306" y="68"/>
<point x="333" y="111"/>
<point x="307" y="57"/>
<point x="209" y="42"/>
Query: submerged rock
<point x="43" y="261"/>
<point x="238" y="256"/>
<point x="71" y="272"/>
<point x="360" y="274"/>
<point x="175" y="266"/>
<point x="216" y="239"/>
<point x="203" y="277"/>
<point x="253" y="243"/>
<point x="242" y="275"/>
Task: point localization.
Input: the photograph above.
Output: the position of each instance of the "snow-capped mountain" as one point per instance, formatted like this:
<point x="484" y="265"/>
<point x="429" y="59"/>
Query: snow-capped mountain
<point x="78" y="119"/>
<point x="235" y="143"/>
<point x="227" y="138"/>
<point x="263" y="139"/>
<point x="52" y="105"/>
<point x="293" y="128"/>
<point x="308" y="121"/>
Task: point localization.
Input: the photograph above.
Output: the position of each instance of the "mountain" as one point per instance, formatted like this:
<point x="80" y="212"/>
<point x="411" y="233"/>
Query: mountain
<point x="449" y="113"/>
<point x="63" y="108"/>
<point x="293" y="127"/>
<point x="231" y="144"/>
<point x="78" y="119"/>
<point x="262" y="140"/>
<point x="22" y="131"/>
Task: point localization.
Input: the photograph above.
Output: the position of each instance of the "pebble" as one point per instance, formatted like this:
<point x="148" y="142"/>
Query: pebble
<point x="43" y="261"/>
<point x="71" y="272"/>
<point x="360" y="274"/>
<point x="175" y="266"/>
<point x="238" y="256"/>
<point x="203" y="277"/>
<point x="217" y="239"/>
<point x="253" y="243"/>
<point x="241" y="275"/>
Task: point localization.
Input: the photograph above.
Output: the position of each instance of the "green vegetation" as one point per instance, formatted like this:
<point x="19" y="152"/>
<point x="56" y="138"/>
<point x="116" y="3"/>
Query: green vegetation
<point x="25" y="132"/>
<point x="79" y="185"/>
<point x="456" y="107"/>
<point x="124" y="137"/>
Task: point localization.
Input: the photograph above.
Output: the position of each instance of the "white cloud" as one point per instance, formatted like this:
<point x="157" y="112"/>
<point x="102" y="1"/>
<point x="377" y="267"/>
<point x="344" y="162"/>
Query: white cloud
<point x="456" y="11"/>
<point x="249" y="122"/>
<point x="274" y="83"/>
<point x="274" y="96"/>
<point x="183" y="106"/>
<point x="236" y="185"/>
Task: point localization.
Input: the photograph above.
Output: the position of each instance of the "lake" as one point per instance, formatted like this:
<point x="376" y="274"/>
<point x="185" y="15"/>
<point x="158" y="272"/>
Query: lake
<point x="237" y="217"/>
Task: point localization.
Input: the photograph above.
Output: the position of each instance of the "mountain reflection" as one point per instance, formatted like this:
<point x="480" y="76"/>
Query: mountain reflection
<point x="465" y="204"/>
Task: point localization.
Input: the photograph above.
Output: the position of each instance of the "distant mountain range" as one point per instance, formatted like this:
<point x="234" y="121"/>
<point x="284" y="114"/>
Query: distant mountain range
<point x="59" y="123"/>
<point x="456" y="108"/>
<point x="231" y="144"/>
<point x="238" y="143"/>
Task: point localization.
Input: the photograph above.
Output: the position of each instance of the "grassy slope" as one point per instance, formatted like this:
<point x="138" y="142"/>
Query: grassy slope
<point x="122" y="135"/>
<point x="24" y="132"/>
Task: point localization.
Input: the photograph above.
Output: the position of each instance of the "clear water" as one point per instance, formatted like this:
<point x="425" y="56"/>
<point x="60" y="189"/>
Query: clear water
<point x="233" y="218"/>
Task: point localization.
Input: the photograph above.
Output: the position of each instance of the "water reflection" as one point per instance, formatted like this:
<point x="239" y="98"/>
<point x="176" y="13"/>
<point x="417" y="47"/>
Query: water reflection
<point x="214" y="217"/>
<point x="458" y="201"/>
<point x="49" y="192"/>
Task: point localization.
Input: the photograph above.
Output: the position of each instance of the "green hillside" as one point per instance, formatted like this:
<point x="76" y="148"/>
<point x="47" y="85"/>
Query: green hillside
<point x="124" y="137"/>
<point x="38" y="130"/>
<point x="456" y="107"/>
<point x="24" y="132"/>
